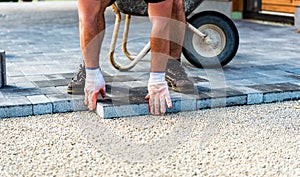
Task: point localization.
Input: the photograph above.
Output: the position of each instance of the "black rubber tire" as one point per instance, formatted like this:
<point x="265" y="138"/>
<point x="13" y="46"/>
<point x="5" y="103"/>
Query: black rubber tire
<point x="219" y="24"/>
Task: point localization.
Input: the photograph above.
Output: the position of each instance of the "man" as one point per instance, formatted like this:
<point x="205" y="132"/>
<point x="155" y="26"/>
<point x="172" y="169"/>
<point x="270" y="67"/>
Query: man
<point x="164" y="45"/>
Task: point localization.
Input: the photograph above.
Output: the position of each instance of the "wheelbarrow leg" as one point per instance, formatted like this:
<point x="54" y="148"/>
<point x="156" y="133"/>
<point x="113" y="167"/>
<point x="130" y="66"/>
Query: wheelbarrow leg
<point x="125" y="37"/>
<point x="136" y="59"/>
<point x="115" y="34"/>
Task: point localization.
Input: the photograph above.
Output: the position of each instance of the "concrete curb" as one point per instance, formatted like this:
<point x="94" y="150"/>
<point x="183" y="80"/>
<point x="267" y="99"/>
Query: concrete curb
<point x="113" y="108"/>
<point x="40" y="104"/>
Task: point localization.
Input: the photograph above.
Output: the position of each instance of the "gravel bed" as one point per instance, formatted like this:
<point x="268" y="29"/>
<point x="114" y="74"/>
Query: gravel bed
<point x="258" y="140"/>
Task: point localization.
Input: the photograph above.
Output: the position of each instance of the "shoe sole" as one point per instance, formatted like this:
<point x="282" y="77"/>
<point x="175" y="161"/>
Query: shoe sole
<point x="180" y="89"/>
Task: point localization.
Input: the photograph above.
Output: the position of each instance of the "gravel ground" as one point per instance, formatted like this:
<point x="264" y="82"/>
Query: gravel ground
<point x="258" y="140"/>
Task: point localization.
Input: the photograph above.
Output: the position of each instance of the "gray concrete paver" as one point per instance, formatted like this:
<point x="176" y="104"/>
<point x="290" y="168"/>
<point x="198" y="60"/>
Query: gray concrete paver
<point x="40" y="104"/>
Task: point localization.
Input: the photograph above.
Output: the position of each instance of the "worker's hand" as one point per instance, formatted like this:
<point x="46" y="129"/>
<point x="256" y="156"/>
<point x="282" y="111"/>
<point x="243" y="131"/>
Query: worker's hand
<point x="159" y="98"/>
<point x="94" y="84"/>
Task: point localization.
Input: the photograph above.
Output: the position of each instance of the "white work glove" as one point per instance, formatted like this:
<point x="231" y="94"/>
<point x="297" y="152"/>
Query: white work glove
<point x="158" y="94"/>
<point x="94" y="84"/>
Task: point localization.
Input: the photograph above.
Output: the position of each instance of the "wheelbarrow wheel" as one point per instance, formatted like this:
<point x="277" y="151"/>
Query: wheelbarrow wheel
<point x="218" y="47"/>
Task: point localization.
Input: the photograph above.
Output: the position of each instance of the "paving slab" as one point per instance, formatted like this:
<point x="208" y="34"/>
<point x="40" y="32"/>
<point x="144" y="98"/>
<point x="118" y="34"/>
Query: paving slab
<point x="42" y="54"/>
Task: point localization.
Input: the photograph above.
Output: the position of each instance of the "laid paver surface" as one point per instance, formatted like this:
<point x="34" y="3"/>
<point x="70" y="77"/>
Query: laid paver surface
<point x="42" y="53"/>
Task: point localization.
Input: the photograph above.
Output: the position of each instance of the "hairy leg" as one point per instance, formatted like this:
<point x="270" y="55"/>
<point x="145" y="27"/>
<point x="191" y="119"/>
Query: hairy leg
<point x="160" y="15"/>
<point x="91" y="29"/>
<point x="177" y="31"/>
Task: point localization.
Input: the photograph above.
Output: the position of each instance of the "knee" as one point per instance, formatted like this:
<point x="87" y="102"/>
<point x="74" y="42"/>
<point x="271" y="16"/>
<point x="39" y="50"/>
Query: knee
<point x="87" y="20"/>
<point x="90" y="18"/>
<point x="160" y="23"/>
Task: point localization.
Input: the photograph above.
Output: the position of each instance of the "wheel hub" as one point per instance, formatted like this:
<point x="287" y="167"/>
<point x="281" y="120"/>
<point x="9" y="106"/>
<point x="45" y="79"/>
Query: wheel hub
<point x="214" y="42"/>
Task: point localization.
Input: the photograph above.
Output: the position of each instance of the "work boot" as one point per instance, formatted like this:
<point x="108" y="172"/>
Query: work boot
<point x="177" y="78"/>
<point x="76" y="86"/>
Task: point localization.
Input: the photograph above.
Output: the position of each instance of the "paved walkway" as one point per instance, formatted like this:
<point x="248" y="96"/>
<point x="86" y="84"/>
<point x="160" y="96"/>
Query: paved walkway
<point x="42" y="52"/>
